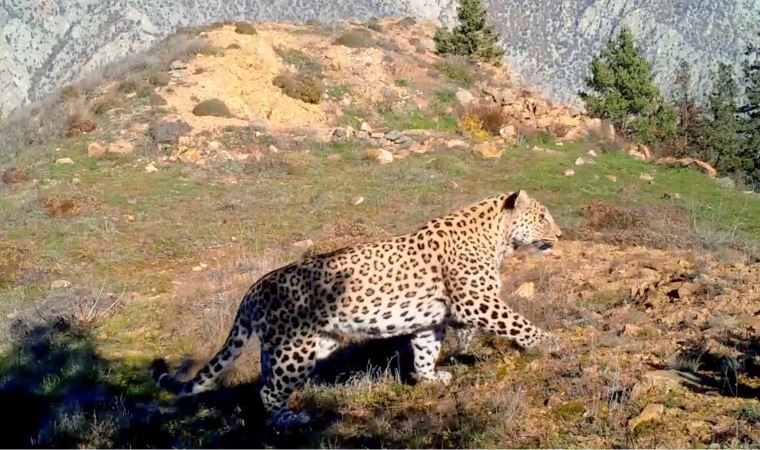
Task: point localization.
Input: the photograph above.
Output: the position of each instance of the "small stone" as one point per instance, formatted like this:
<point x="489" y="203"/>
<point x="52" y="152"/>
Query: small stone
<point x="365" y="127"/>
<point x="95" y="150"/>
<point x="453" y="143"/>
<point x="377" y="135"/>
<point x="652" y="411"/>
<point x="630" y="329"/>
<point x="508" y="132"/>
<point x="569" y="172"/>
<point x="60" y="284"/>
<point x="592" y="153"/>
<point x="302" y="246"/>
<point x="361" y="134"/>
<point x="393" y="135"/>
<point x="334" y="157"/>
<point x="646" y="177"/>
<point x="580" y="161"/>
<point x="214" y="146"/>
<point x="177" y="65"/>
<point x="673" y="195"/>
<point x="273" y="149"/>
<point x="357" y="200"/>
<point x="559" y="144"/>
<point x="76" y="180"/>
<point x="526" y="290"/>
<point x="64" y="161"/>
<point x="197" y="268"/>
<point x="612" y="178"/>
<point x="464" y="97"/>
<point x="383" y="156"/>
<point x="150" y="168"/>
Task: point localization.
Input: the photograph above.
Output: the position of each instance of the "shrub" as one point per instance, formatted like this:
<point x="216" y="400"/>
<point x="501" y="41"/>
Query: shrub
<point x="482" y="120"/>
<point x="355" y="39"/>
<point x="159" y="78"/>
<point x="457" y="69"/>
<point x="212" y="107"/>
<point x="157" y="100"/>
<point x="304" y="88"/>
<point x="474" y="36"/>
<point x="375" y="25"/>
<point x="233" y="46"/>
<point x="245" y="28"/>
<point x="305" y="64"/>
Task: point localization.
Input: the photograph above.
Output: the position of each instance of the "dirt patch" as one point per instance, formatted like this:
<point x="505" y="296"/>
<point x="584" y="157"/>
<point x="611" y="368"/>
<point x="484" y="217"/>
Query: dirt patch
<point x="63" y="206"/>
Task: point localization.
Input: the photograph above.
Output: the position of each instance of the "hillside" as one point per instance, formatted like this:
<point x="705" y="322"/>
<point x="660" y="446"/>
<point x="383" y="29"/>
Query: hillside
<point x="137" y="208"/>
<point x="48" y="44"/>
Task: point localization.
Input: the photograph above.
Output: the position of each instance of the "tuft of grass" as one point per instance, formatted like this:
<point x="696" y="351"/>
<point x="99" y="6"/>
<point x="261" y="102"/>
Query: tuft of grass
<point x="355" y="39"/>
<point x="480" y="119"/>
<point x="159" y="78"/>
<point x="457" y="70"/>
<point x="212" y="107"/>
<point x="305" y="64"/>
<point x="305" y="88"/>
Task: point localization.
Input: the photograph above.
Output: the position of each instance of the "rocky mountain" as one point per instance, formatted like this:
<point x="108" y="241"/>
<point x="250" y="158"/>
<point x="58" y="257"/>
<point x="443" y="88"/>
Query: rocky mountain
<point x="47" y="43"/>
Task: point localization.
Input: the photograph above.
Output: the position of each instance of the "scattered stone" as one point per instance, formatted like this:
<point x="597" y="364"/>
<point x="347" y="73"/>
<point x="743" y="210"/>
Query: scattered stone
<point x="580" y="161"/>
<point x="569" y="172"/>
<point x="121" y="147"/>
<point x="214" y="146"/>
<point x="665" y="381"/>
<point x="365" y="127"/>
<point x="168" y="132"/>
<point x="646" y="177"/>
<point x="630" y="329"/>
<point x="464" y="97"/>
<point x="592" y="153"/>
<point x="652" y="411"/>
<point x="454" y="143"/>
<point x="508" y="132"/>
<point x="15" y="176"/>
<point x="377" y="135"/>
<point x="95" y="150"/>
<point x="382" y="156"/>
<point x="559" y="144"/>
<point x="488" y="150"/>
<point x="64" y="161"/>
<point x="526" y="290"/>
<point x="150" y="168"/>
<point x="357" y="200"/>
<point x="671" y="195"/>
<point x="178" y="65"/>
<point x="612" y="178"/>
<point x="60" y="284"/>
<point x="393" y="135"/>
<point x="334" y="157"/>
<point x="273" y="149"/>
<point x="302" y="246"/>
<point x="454" y="184"/>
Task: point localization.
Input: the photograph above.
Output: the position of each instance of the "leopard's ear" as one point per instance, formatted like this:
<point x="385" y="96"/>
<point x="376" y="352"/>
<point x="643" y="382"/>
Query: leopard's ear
<point x="516" y="200"/>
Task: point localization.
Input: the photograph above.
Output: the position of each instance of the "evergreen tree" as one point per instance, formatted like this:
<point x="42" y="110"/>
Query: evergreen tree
<point x="474" y="36"/>
<point x="686" y="108"/>
<point x="720" y="140"/>
<point x="751" y="112"/>
<point x="625" y="94"/>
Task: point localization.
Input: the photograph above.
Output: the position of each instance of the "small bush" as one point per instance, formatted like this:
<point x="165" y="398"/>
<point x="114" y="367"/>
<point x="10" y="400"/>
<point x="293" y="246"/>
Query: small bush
<point x="474" y="36"/>
<point x="167" y="132"/>
<point x="233" y="46"/>
<point x="159" y="78"/>
<point x="375" y="25"/>
<point x="457" y="69"/>
<point x="157" y="100"/>
<point x="305" y="64"/>
<point x="406" y="22"/>
<point x="489" y="117"/>
<point x="355" y="39"/>
<point x="212" y="107"/>
<point x="245" y="28"/>
<point x="314" y="23"/>
<point x="304" y="88"/>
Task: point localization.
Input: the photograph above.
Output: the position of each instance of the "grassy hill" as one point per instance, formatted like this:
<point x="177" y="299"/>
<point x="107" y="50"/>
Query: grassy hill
<point x="111" y="257"/>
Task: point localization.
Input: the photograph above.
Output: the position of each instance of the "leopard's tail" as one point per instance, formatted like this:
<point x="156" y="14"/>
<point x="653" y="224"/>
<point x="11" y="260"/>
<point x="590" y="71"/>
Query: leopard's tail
<point x="206" y="378"/>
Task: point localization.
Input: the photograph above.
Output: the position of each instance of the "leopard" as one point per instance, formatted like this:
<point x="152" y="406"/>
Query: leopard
<point x="445" y="275"/>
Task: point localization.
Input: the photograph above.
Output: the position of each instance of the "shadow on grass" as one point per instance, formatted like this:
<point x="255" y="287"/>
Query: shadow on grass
<point x="61" y="393"/>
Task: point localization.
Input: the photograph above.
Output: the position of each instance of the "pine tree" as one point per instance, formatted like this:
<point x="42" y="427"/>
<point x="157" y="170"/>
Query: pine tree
<point x="474" y="36"/>
<point x="720" y="141"/>
<point x="625" y="94"/>
<point x="686" y="108"/>
<point x="751" y="112"/>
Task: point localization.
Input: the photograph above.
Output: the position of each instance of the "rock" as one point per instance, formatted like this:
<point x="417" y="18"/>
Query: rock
<point x="383" y="156"/>
<point x="612" y="178"/>
<point x="580" y="161"/>
<point x="646" y="177"/>
<point x="259" y="126"/>
<point x="464" y="97"/>
<point x="213" y="107"/>
<point x="64" y="161"/>
<point x="150" y="168"/>
<point x="652" y="411"/>
<point x="569" y="172"/>
<point x="630" y="329"/>
<point x="214" y="146"/>
<point x="607" y="130"/>
<point x="726" y="182"/>
<point x="15" y="176"/>
<point x="302" y="246"/>
<point x="377" y="135"/>
<point x="362" y="134"/>
<point x="454" y="143"/>
<point x="59" y="284"/>
<point x="592" y="153"/>
<point x="121" y="147"/>
<point x="333" y="157"/>
<point x="508" y="132"/>
<point x="665" y="381"/>
<point x="526" y="290"/>
<point x="674" y="195"/>
<point x="365" y="127"/>
<point x="177" y="65"/>
<point x="95" y="150"/>
<point x="168" y="132"/>
<point x="393" y="135"/>
<point x="700" y="430"/>
<point x="273" y="149"/>
<point x="357" y="200"/>
<point x="488" y="150"/>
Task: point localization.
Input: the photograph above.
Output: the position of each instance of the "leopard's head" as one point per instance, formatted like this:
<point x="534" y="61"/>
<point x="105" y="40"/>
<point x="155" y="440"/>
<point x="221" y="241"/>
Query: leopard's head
<point x="529" y="223"/>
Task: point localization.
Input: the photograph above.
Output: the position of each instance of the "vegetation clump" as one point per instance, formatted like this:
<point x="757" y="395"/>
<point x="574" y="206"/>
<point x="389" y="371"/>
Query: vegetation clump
<point x="304" y="88"/>
<point x="245" y="28"/>
<point x="212" y="107"/>
<point x="355" y="39"/>
<point x="473" y="37"/>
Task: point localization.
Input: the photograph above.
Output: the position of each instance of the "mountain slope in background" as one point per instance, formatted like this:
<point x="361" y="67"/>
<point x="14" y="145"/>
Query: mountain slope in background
<point x="46" y="43"/>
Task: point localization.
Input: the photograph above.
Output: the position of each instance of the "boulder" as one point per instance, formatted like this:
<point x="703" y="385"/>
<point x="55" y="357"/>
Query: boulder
<point x="689" y="162"/>
<point x="463" y="97"/>
<point x="121" y="147"/>
<point x="95" y="150"/>
<point x="653" y="411"/>
<point x="488" y="150"/>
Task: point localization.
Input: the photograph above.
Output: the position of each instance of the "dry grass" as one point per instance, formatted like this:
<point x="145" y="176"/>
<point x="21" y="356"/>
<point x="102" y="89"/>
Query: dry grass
<point x="305" y="88"/>
<point x="482" y="119"/>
